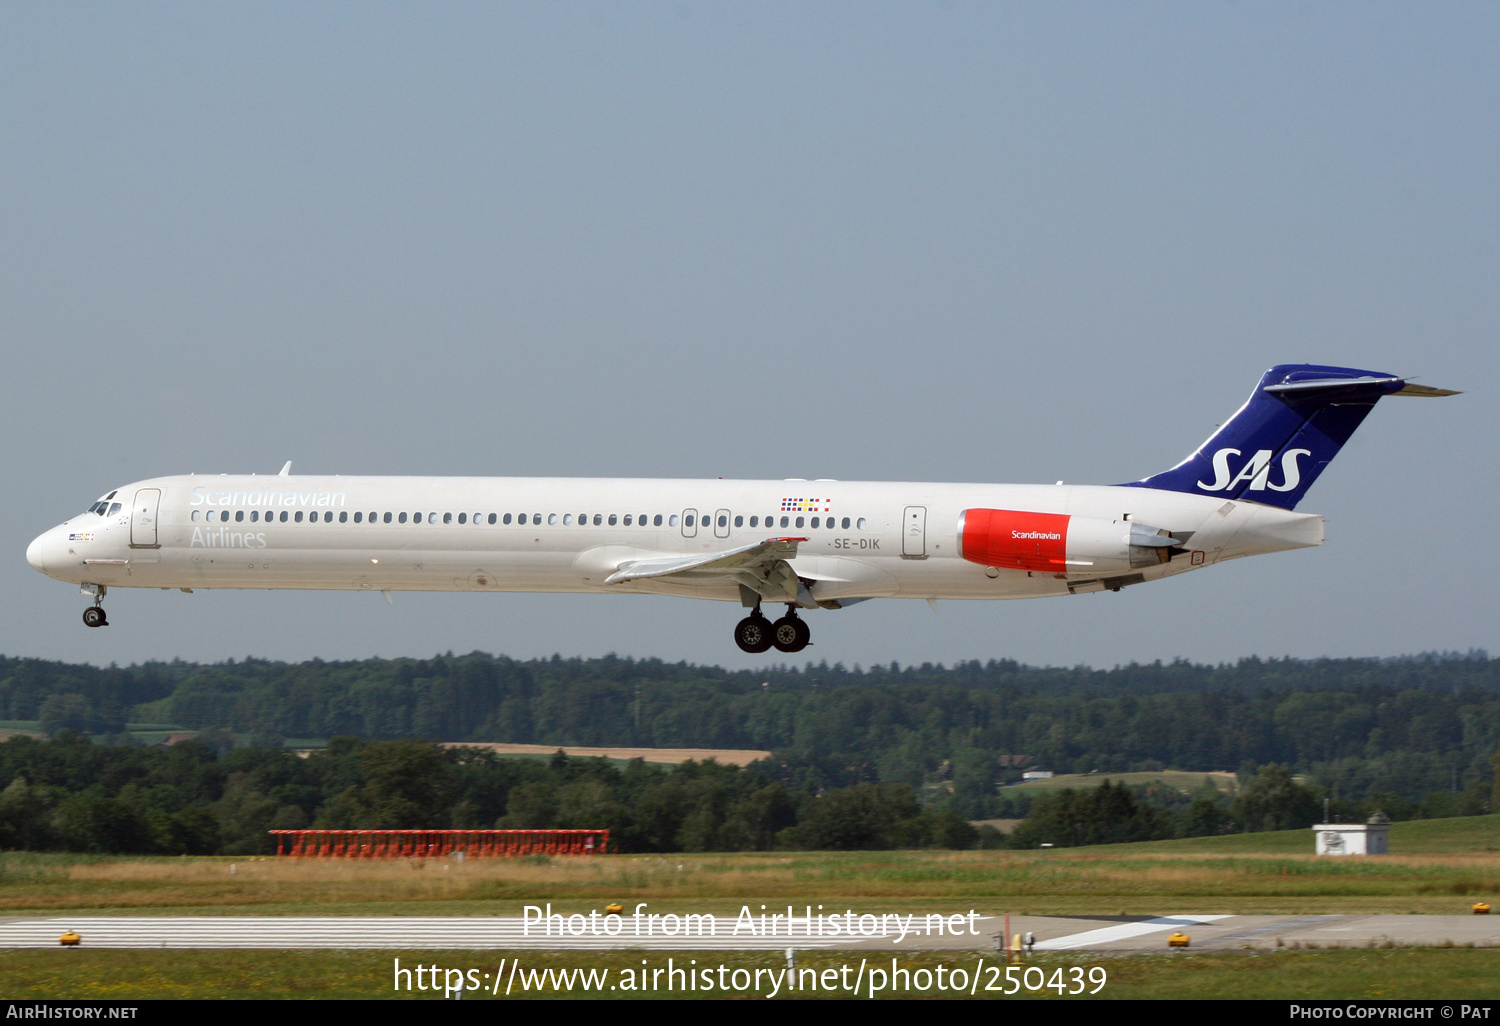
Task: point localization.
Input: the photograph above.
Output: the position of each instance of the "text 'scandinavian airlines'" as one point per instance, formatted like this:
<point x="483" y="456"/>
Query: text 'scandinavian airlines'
<point x="802" y="544"/>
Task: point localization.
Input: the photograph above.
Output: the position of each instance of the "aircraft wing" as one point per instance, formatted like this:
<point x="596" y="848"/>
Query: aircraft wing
<point x="759" y="558"/>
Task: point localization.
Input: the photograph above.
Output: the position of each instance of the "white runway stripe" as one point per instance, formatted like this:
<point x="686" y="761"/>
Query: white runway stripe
<point x="1124" y="931"/>
<point x="397" y="932"/>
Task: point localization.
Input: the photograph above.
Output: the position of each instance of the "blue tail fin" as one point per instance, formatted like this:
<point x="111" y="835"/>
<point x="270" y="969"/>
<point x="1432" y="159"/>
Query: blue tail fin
<point x="1292" y="426"/>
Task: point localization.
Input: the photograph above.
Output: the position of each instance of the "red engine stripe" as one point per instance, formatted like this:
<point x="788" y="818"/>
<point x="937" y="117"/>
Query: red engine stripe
<point x="1016" y="540"/>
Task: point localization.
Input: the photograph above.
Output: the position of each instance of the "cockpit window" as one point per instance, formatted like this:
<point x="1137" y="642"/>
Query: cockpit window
<point x="114" y="508"/>
<point x="102" y="506"/>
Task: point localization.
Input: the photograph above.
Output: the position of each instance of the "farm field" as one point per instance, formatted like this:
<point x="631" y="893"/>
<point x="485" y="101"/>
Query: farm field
<point x="666" y="756"/>
<point x="1181" y="780"/>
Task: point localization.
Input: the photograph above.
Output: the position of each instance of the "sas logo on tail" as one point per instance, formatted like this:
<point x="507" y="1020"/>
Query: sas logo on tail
<point x="1256" y="470"/>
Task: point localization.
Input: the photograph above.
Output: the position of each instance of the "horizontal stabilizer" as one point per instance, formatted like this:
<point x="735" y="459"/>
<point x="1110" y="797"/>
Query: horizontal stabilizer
<point x="1426" y="391"/>
<point x="1320" y="386"/>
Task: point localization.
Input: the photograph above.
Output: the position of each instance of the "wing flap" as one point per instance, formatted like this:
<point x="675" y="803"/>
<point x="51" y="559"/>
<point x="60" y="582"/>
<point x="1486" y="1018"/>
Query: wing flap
<point x="755" y="556"/>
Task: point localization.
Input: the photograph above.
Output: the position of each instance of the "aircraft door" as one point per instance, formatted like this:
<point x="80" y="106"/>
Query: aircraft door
<point x="143" y="518"/>
<point x="721" y="524"/>
<point x="914" y="533"/>
<point x="689" y="523"/>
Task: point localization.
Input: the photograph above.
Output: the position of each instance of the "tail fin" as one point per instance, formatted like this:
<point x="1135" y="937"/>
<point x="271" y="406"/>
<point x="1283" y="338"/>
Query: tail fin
<point x="1290" y="428"/>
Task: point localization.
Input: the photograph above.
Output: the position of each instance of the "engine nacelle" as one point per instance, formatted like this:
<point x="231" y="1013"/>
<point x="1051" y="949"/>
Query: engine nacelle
<point x="1059" y="543"/>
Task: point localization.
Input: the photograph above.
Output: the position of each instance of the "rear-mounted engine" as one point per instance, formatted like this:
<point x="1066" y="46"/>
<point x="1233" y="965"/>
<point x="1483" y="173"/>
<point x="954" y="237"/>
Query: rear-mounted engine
<point x="1059" y="543"/>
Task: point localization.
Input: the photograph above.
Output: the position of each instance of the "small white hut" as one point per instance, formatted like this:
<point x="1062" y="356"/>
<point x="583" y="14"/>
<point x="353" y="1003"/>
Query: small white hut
<point x="1353" y="838"/>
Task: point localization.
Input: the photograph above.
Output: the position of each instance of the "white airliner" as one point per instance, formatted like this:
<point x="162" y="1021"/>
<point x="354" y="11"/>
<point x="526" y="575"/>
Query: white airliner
<point x="806" y="544"/>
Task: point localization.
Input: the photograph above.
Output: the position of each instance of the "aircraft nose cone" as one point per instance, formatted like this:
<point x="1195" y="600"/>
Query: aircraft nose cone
<point x="36" y="553"/>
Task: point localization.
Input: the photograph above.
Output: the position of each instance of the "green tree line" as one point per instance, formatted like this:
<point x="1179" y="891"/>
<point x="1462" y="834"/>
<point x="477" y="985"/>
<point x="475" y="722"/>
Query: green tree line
<point x="72" y="794"/>
<point x="1409" y="728"/>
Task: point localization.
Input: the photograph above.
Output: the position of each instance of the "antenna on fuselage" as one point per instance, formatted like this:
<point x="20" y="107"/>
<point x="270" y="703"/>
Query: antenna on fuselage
<point x="286" y="470"/>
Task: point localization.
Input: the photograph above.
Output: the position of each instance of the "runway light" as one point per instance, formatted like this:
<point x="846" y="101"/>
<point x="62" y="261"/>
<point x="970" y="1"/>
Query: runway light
<point x="374" y="561"/>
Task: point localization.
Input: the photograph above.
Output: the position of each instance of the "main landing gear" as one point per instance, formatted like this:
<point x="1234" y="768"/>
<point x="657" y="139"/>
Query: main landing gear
<point x="94" y="616"/>
<point x="757" y="634"/>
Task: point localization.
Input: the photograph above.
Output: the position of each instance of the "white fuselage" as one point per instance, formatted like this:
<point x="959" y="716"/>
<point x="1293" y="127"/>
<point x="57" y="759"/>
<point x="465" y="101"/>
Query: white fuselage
<point x="857" y="540"/>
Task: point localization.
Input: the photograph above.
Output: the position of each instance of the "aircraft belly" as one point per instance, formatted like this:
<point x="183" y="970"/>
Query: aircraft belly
<point x="347" y="569"/>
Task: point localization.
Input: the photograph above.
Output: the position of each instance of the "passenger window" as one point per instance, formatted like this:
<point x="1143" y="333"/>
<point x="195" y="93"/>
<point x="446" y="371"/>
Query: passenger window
<point x="739" y="521"/>
<point x="297" y="517"/>
<point x="567" y="520"/>
<point x="846" y="523"/>
<point x="723" y="520"/>
<point x="328" y="517"/>
<point x="672" y="520"/>
<point x="755" y="521"/>
<point x="815" y="521"/>
<point x="598" y="519"/>
<point x="799" y="521"/>
<point x="239" y="516"/>
<point x="613" y="520"/>
<point x="401" y="518"/>
<point x="786" y="521"/>
<point x="448" y="518"/>
<point x="688" y="521"/>
<point x="195" y="516"/>
<point x="551" y="519"/>
<point x="254" y="516"/>
<point x="492" y="519"/>
<point x="861" y="523"/>
<point x="343" y="517"/>
<point x="657" y="520"/>
<point x="628" y="519"/>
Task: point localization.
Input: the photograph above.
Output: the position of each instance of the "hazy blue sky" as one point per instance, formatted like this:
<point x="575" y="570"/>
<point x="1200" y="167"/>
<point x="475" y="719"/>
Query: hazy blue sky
<point x="971" y="242"/>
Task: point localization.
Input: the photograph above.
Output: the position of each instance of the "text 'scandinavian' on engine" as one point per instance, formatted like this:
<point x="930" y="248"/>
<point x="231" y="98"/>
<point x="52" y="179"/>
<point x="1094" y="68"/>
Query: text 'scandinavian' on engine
<point x="800" y="544"/>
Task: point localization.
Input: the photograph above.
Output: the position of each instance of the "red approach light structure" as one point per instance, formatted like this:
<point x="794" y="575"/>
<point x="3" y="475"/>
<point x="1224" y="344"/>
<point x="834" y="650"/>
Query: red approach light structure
<point x="474" y="844"/>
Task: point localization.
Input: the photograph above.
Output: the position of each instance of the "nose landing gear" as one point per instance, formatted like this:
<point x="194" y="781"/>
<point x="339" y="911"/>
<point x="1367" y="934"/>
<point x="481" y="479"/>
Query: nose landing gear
<point x="94" y="616"/>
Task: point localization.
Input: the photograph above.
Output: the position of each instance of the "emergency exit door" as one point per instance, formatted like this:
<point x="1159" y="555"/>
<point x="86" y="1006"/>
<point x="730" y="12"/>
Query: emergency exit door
<point x="914" y="533"/>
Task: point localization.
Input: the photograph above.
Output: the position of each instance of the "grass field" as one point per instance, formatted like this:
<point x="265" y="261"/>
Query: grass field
<point x="1440" y="867"/>
<point x="125" y="975"/>
<point x="1180" y="780"/>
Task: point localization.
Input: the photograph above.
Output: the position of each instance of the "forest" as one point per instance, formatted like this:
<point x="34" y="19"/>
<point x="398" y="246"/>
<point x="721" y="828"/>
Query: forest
<point x="885" y="756"/>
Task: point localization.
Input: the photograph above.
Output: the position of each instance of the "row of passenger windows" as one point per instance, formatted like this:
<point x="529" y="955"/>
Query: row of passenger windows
<point x="567" y="519"/>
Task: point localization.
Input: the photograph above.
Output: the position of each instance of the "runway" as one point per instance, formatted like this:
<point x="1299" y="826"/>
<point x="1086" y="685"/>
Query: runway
<point x="1117" y="934"/>
<point x="393" y="932"/>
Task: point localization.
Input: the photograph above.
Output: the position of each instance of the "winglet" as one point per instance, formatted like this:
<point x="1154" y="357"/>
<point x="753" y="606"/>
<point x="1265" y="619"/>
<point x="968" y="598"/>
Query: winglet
<point x="286" y="470"/>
